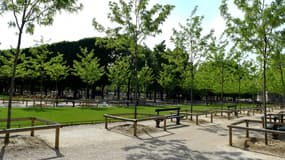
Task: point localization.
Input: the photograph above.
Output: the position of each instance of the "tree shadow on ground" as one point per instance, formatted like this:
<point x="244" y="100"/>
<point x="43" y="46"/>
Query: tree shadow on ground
<point x="215" y="128"/>
<point x="156" y="149"/>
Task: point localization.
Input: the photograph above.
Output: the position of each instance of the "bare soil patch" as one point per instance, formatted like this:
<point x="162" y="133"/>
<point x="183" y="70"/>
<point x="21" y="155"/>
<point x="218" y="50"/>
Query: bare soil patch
<point x="128" y="129"/>
<point x="275" y="147"/>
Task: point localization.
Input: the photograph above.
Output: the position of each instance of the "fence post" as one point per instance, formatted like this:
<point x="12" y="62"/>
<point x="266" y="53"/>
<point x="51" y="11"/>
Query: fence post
<point x="247" y="132"/>
<point x="33" y="124"/>
<point x="266" y="138"/>
<point x="197" y="121"/>
<point x="230" y="136"/>
<point x="135" y="128"/>
<point x="106" y="122"/>
<point x="57" y="138"/>
<point x="211" y="117"/>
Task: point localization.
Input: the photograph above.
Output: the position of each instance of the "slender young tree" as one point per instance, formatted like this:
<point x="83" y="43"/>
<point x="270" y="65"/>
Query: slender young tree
<point x="145" y="78"/>
<point x="256" y="30"/>
<point x="134" y="21"/>
<point x="217" y="55"/>
<point x="7" y="60"/>
<point x="190" y="39"/>
<point x="172" y="68"/>
<point x="26" y="14"/>
<point x="119" y="73"/>
<point x="57" y="70"/>
<point x="38" y="62"/>
<point x="88" y="68"/>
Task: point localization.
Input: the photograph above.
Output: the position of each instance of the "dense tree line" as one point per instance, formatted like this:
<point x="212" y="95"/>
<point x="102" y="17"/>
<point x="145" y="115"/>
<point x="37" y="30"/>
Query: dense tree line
<point x="199" y="67"/>
<point x="161" y="70"/>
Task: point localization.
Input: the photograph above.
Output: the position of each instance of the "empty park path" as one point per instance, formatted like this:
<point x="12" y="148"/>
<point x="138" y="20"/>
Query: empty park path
<point x="208" y="141"/>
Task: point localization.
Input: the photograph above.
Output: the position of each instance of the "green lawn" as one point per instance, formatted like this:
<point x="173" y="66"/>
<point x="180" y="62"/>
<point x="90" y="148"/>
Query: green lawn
<point x="68" y="115"/>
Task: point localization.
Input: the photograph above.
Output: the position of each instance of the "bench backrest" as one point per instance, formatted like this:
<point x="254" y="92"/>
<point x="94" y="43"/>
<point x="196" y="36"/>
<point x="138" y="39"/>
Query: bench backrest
<point x="167" y="109"/>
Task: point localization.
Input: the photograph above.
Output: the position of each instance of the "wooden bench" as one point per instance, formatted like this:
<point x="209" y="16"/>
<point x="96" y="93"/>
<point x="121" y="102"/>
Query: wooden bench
<point x="175" y="115"/>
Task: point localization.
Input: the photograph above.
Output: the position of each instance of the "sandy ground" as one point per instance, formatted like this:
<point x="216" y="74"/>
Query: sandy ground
<point x="208" y="141"/>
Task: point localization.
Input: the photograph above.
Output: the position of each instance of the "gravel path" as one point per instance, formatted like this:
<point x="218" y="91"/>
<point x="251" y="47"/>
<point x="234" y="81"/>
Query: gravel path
<point x="208" y="141"/>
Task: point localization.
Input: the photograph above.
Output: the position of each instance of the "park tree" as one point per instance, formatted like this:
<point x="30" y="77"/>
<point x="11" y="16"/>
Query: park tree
<point x="276" y="73"/>
<point x="44" y="64"/>
<point x="145" y="78"/>
<point x="256" y="30"/>
<point x="6" y="64"/>
<point x="87" y="68"/>
<point x="277" y="66"/>
<point x="238" y="68"/>
<point x="134" y="21"/>
<point x="26" y="14"/>
<point x="119" y="73"/>
<point x="57" y="70"/>
<point x="219" y="61"/>
<point x="171" y="69"/>
<point x="190" y="39"/>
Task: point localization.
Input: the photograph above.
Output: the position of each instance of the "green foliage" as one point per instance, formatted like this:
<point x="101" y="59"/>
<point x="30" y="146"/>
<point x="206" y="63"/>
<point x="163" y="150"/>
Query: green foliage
<point x="29" y="12"/>
<point x="170" y="75"/>
<point x="145" y="77"/>
<point x="119" y="72"/>
<point x="88" y="68"/>
<point x="189" y="39"/>
<point x="134" y="20"/>
<point x="258" y="30"/>
<point x="56" y="68"/>
<point x="39" y="61"/>
<point x="7" y="59"/>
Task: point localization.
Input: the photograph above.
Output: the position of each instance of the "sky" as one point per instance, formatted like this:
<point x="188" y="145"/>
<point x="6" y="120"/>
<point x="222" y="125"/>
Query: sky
<point x="73" y="27"/>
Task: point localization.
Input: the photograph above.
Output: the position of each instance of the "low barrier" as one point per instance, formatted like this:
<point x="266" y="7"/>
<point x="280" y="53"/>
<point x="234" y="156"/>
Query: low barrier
<point x="33" y="128"/>
<point x="247" y="128"/>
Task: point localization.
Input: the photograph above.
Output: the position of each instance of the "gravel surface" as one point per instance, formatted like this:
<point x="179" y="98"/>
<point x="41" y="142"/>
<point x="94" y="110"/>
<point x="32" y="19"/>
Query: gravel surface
<point x="208" y="141"/>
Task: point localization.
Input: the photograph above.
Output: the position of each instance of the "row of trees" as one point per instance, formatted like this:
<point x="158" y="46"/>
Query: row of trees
<point x="198" y="65"/>
<point x="159" y="70"/>
<point x="203" y="63"/>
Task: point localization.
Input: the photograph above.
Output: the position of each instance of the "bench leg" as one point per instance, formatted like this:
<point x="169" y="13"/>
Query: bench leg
<point x="164" y="124"/>
<point x="177" y="120"/>
<point x="157" y="123"/>
<point x="135" y="128"/>
<point x="106" y="123"/>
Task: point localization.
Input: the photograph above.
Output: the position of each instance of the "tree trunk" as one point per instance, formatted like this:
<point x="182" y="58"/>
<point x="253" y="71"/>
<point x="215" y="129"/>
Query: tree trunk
<point x="102" y="92"/>
<point x="222" y="85"/>
<point x="129" y="89"/>
<point x="264" y="82"/>
<point x="118" y="92"/>
<point x="56" y="94"/>
<point x="12" y="84"/>
<point x="283" y="85"/>
<point x="191" y="89"/>
<point x="154" y="96"/>
<point x="239" y="81"/>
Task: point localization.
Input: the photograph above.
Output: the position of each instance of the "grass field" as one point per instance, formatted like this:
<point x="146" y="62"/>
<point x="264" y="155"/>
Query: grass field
<point x="69" y="115"/>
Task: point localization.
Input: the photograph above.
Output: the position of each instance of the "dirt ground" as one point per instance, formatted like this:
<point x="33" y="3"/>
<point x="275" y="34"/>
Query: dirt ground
<point x="207" y="141"/>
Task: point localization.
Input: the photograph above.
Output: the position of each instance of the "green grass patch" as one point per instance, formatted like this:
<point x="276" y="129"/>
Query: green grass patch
<point x="69" y="115"/>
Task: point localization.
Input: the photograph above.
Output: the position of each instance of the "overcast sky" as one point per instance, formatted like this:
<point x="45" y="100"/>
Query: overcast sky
<point x="72" y="27"/>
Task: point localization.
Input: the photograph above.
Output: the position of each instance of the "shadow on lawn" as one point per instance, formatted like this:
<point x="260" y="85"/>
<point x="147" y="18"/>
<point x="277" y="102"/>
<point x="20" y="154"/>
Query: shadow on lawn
<point x="154" y="149"/>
